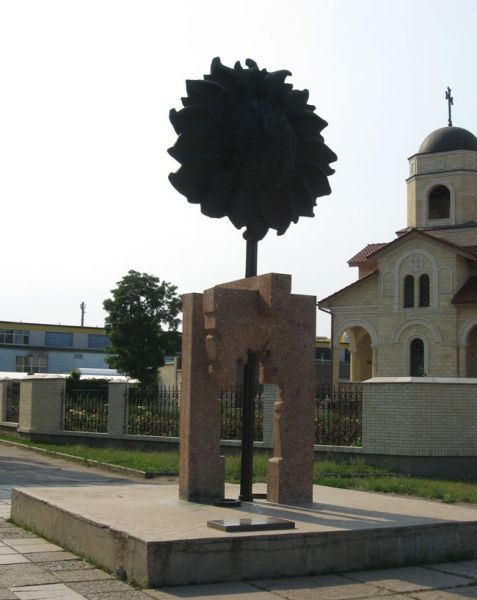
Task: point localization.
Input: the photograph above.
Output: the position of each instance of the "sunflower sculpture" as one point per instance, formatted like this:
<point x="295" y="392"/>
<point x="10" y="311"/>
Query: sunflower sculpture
<point x="250" y="149"/>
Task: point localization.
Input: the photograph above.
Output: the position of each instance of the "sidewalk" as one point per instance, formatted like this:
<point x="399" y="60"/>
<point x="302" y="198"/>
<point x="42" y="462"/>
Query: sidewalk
<point x="33" y="569"/>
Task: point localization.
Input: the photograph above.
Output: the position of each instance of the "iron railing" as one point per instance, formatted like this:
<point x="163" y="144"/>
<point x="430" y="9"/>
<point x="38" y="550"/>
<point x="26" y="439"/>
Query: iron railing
<point x="152" y="411"/>
<point x="338" y="413"/>
<point x="12" y="413"/>
<point x="85" y="410"/>
<point x="231" y="401"/>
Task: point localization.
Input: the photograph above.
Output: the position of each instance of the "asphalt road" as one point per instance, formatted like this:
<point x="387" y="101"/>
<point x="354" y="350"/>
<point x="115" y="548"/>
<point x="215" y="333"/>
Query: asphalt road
<point x="24" y="468"/>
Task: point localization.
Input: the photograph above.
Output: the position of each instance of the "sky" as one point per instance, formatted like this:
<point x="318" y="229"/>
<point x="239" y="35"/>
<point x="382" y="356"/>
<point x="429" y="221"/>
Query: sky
<point x="86" y="89"/>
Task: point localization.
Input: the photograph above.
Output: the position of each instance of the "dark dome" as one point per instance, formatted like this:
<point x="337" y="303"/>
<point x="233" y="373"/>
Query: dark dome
<point x="446" y="139"/>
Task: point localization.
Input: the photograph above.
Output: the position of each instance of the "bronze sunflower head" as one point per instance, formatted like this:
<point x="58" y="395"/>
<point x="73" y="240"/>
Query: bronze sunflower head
<point x="250" y="148"/>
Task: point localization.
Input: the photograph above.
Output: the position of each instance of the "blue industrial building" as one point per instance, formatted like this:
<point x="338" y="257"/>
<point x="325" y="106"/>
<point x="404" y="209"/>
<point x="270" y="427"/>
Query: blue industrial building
<point x="42" y="348"/>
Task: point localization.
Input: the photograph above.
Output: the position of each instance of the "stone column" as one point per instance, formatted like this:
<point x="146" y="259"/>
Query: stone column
<point x="354" y="365"/>
<point x="201" y="468"/>
<point x="374" y="361"/>
<point x="117" y="413"/>
<point x="292" y="358"/>
<point x="41" y="404"/>
<point x="335" y="376"/>
<point x="462" y="360"/>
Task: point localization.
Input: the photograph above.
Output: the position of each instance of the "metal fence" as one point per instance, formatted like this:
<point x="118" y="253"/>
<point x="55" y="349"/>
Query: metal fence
<point x="152" y="411"/>
<point x="85" y="410"/>
<point x="338" y="413"/>
<point x="12" y="413"/>
<point x="155" y="411"/>
<point x="231" y="402"/>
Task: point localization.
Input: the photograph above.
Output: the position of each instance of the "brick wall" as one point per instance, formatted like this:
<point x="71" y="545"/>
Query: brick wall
<point x="420" y="416"/>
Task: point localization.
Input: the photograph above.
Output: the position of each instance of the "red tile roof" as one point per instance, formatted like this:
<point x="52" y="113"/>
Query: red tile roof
<point x="363" y="254"/>
<point x="467" y="293"/>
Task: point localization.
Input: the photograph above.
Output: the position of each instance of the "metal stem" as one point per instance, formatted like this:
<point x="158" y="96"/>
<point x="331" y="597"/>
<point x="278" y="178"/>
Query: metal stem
<point x="251" y="260"/>
<point x="248" y="417"/>
<point x="248" y="394"/>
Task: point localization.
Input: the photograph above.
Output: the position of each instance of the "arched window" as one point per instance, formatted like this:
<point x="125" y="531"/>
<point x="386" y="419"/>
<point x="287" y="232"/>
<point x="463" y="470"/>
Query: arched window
<point x="408" y="291"/>
<point x="424" y="290"/>
<point x="417" y="358"/>
<point x="439" y="203"/>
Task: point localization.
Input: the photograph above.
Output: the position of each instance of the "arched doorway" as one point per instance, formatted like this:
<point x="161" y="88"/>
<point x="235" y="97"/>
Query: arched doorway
<point x="361" y="354"/>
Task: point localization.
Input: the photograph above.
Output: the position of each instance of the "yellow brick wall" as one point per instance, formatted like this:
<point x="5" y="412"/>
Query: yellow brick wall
<point x="420" y="417"/>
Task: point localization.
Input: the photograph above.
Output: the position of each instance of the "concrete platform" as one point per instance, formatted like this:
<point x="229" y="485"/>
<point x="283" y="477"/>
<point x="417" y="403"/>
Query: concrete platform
<point x="158" y="540"/>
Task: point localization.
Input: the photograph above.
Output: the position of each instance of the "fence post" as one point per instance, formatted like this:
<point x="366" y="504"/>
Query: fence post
<point x="41" y="403"/>
<point x="269" y="396"/>
<point x="116" y="408"/>
<point x="3" y="400"/>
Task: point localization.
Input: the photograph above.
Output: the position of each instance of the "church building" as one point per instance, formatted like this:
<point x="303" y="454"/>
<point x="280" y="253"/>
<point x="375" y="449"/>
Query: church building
<point x="413" y="310"/>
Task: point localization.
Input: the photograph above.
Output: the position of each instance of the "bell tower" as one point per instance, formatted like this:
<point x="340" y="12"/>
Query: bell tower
<point x="442" y="186"/>
<point x="442" y="183"/>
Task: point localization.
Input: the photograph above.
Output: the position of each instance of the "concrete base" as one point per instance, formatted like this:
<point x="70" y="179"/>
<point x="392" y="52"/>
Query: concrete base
<point x="162" y="541"/>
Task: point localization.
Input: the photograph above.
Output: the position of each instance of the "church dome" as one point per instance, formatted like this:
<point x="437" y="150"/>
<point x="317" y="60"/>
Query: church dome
<point x="447" y="139"/>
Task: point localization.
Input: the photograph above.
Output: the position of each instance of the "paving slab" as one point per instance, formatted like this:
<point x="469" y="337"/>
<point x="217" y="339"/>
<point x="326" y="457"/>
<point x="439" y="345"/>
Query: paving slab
<point x="8" y="533"/>
<point x="326" y="587"/>
<point x="218" y="591"/>
<point x="12" y="559"/>
<point x="463" y="593"/>
<point x="40" y="557"/>
<point x="6" y="549"/>
<point x="24" y="574"/>
<point x="56" y="591"/>
<point x="94" y="587"/>
<point x="159" y="540"/>
<point x="65" y="565"/>
<point x="409" y="579"/>
<point x="467" y="568"/>
<point x="82" y="575"/>
<point x="7" y="594"/>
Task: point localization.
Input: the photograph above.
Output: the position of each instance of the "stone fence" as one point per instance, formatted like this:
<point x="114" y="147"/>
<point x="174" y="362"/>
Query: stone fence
<point x="420" y="425"/>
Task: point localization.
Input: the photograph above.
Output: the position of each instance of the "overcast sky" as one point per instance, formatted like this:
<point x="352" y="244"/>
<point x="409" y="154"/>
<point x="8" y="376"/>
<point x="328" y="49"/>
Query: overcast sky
<point x="85" y="92"/>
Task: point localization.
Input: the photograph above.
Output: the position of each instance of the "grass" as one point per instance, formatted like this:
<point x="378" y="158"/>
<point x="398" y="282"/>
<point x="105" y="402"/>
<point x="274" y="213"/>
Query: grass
<point x="154" y="462"/>
<point x="356" y="474"/>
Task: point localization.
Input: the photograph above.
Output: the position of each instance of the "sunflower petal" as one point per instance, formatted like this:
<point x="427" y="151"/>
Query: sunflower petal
<point x="301" y="197"/>
<point x="306" y="121"/>
<point x="192" y="117"/>
<point x="242" y="206"/>
<point x="275" y="209"/>
<point x="216" y="203"/>
<point x="194" y="144"/>
<point x="231" y="79"/>
<point x="210" y="92"/>
<point x="316" y="181"/>
<point x="192" y="190"/>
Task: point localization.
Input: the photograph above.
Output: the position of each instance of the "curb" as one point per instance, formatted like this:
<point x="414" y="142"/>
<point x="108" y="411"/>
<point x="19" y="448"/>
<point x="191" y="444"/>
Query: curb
<point x="90" y="462"/>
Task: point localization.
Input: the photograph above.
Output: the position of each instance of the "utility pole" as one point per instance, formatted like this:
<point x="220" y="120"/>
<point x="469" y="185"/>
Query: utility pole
<point x="83" y="310"/>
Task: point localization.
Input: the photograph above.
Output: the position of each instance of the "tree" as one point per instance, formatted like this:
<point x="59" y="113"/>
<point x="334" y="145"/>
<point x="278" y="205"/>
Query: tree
<point x="142" y="325"/>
